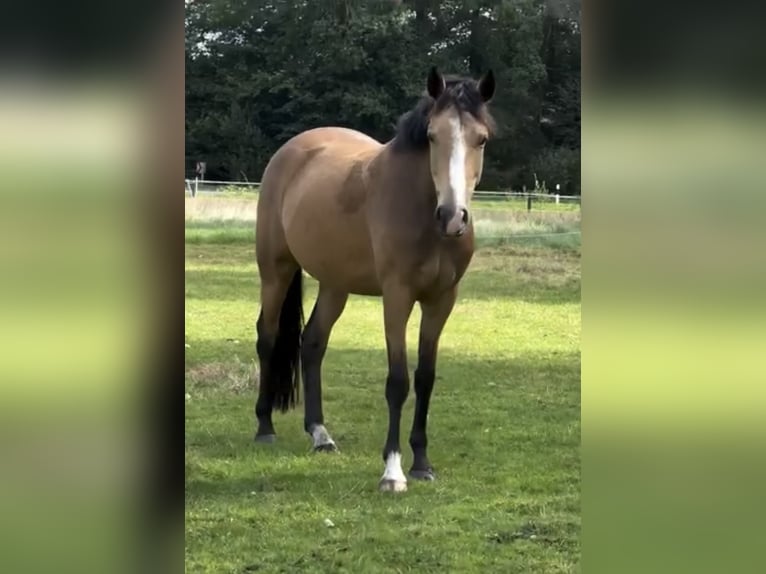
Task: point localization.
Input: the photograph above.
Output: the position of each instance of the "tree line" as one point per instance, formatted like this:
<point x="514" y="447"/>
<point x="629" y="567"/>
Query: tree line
<point x="261" y="71"/>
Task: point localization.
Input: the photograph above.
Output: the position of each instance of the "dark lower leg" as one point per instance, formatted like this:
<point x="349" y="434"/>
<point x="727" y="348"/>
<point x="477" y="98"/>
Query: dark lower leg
<point x="263" y="406"/>
<point x="424" y="383"/>
<point x="328" y="308"/>
<point x="397" y="388"/>
<point x="397" y="305"/>
<point x="314" y="347"/>
<point x="435" y="314"/>
<point x="276" y="277"/>
<point x="312" y="352"/>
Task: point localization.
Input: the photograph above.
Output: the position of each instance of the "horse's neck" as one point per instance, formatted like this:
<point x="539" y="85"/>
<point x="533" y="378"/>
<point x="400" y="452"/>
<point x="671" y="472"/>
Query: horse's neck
<point x="405" y="172"/>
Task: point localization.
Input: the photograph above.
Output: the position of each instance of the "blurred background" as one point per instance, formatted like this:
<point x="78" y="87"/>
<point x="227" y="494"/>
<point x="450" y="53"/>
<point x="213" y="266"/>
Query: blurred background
<point x="86" y="146"/>
<point x="673" y="139"/>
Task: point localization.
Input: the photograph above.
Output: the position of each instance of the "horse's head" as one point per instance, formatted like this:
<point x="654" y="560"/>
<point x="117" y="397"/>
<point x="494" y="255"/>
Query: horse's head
<point x="459" y="126"/>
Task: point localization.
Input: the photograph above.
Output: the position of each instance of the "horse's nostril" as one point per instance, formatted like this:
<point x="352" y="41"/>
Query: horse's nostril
<point x="464" y="215"/>
<point x="438" y="213"/>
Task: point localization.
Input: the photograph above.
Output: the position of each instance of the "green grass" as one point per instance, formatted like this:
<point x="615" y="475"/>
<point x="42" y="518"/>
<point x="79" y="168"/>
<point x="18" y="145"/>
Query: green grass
<point x="520" y="204"/>
<point x="222" y="220"/>
<point x="504" y="427"/>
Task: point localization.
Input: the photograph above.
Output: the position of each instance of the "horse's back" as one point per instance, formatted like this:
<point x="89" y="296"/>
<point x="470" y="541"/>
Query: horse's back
<point x="335" y="137"/>
<point x="313" y="193"/>
<point x="330" y="150"/>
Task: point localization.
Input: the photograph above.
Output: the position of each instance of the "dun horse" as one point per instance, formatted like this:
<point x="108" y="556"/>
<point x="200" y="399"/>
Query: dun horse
<point x="362" y="217"/>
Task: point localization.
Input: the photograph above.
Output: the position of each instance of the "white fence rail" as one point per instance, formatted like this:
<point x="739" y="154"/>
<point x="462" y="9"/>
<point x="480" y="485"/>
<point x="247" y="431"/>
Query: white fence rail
<point x="196" y="187"/>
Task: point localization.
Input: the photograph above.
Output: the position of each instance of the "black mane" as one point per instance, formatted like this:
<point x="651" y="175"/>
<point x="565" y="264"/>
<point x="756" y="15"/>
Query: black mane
<point x="462" y="93"/>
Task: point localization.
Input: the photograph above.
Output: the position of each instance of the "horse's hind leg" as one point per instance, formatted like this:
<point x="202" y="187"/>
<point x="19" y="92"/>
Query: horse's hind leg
<point x="329" y="306"/>
<point x="273" y="356"/>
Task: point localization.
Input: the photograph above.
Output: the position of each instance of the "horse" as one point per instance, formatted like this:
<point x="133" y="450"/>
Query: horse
<point x="387" y="220"/>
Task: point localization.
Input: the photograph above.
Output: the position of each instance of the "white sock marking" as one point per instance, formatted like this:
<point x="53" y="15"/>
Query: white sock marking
<point x="320" y="436"/>
<point x="394" y="468"/>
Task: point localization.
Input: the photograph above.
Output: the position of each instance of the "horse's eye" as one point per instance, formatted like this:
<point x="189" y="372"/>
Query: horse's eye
<point x="482" y="141"/>
<point x="431" y="137"/>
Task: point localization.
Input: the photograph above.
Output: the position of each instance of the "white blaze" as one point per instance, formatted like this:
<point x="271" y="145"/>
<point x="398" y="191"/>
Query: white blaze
<point x="457" y="163"/>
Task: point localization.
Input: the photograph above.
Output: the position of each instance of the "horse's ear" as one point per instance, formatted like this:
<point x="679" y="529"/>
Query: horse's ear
<point x="435" y="84"/>
<point x="487" y="86"/>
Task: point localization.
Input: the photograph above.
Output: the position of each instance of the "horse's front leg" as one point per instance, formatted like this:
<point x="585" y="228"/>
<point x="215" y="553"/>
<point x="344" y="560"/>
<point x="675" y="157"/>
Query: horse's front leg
<point x="397" y="306"/>
<point x="434" y="317"/>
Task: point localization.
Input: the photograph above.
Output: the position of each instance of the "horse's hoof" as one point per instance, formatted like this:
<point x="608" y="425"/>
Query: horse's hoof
<point x="390" y="485"/>
<point x="266" y="438"/>
<point x="326" y="447"/>
<point x="422" y="474"/>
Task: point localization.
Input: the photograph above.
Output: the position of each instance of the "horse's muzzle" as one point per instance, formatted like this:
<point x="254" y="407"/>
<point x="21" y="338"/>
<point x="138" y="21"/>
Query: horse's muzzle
<point x="452" y="220"/>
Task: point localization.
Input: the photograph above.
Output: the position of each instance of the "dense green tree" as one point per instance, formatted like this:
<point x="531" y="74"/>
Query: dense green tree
<point x="260" y="71"/>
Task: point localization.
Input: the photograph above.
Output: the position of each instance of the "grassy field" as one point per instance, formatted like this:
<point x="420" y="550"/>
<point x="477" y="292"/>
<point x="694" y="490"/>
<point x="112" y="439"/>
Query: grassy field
<point x="504" y="425"/>
<point x="486" y="202"/>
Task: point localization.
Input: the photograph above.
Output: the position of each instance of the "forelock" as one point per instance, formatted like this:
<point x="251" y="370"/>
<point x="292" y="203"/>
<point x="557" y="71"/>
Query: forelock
<point x="463" y="94"/>
<point x="460" y="93"/>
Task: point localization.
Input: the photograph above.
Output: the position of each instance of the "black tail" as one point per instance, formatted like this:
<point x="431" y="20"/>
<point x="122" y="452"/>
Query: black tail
<point x="285" y="359"/>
